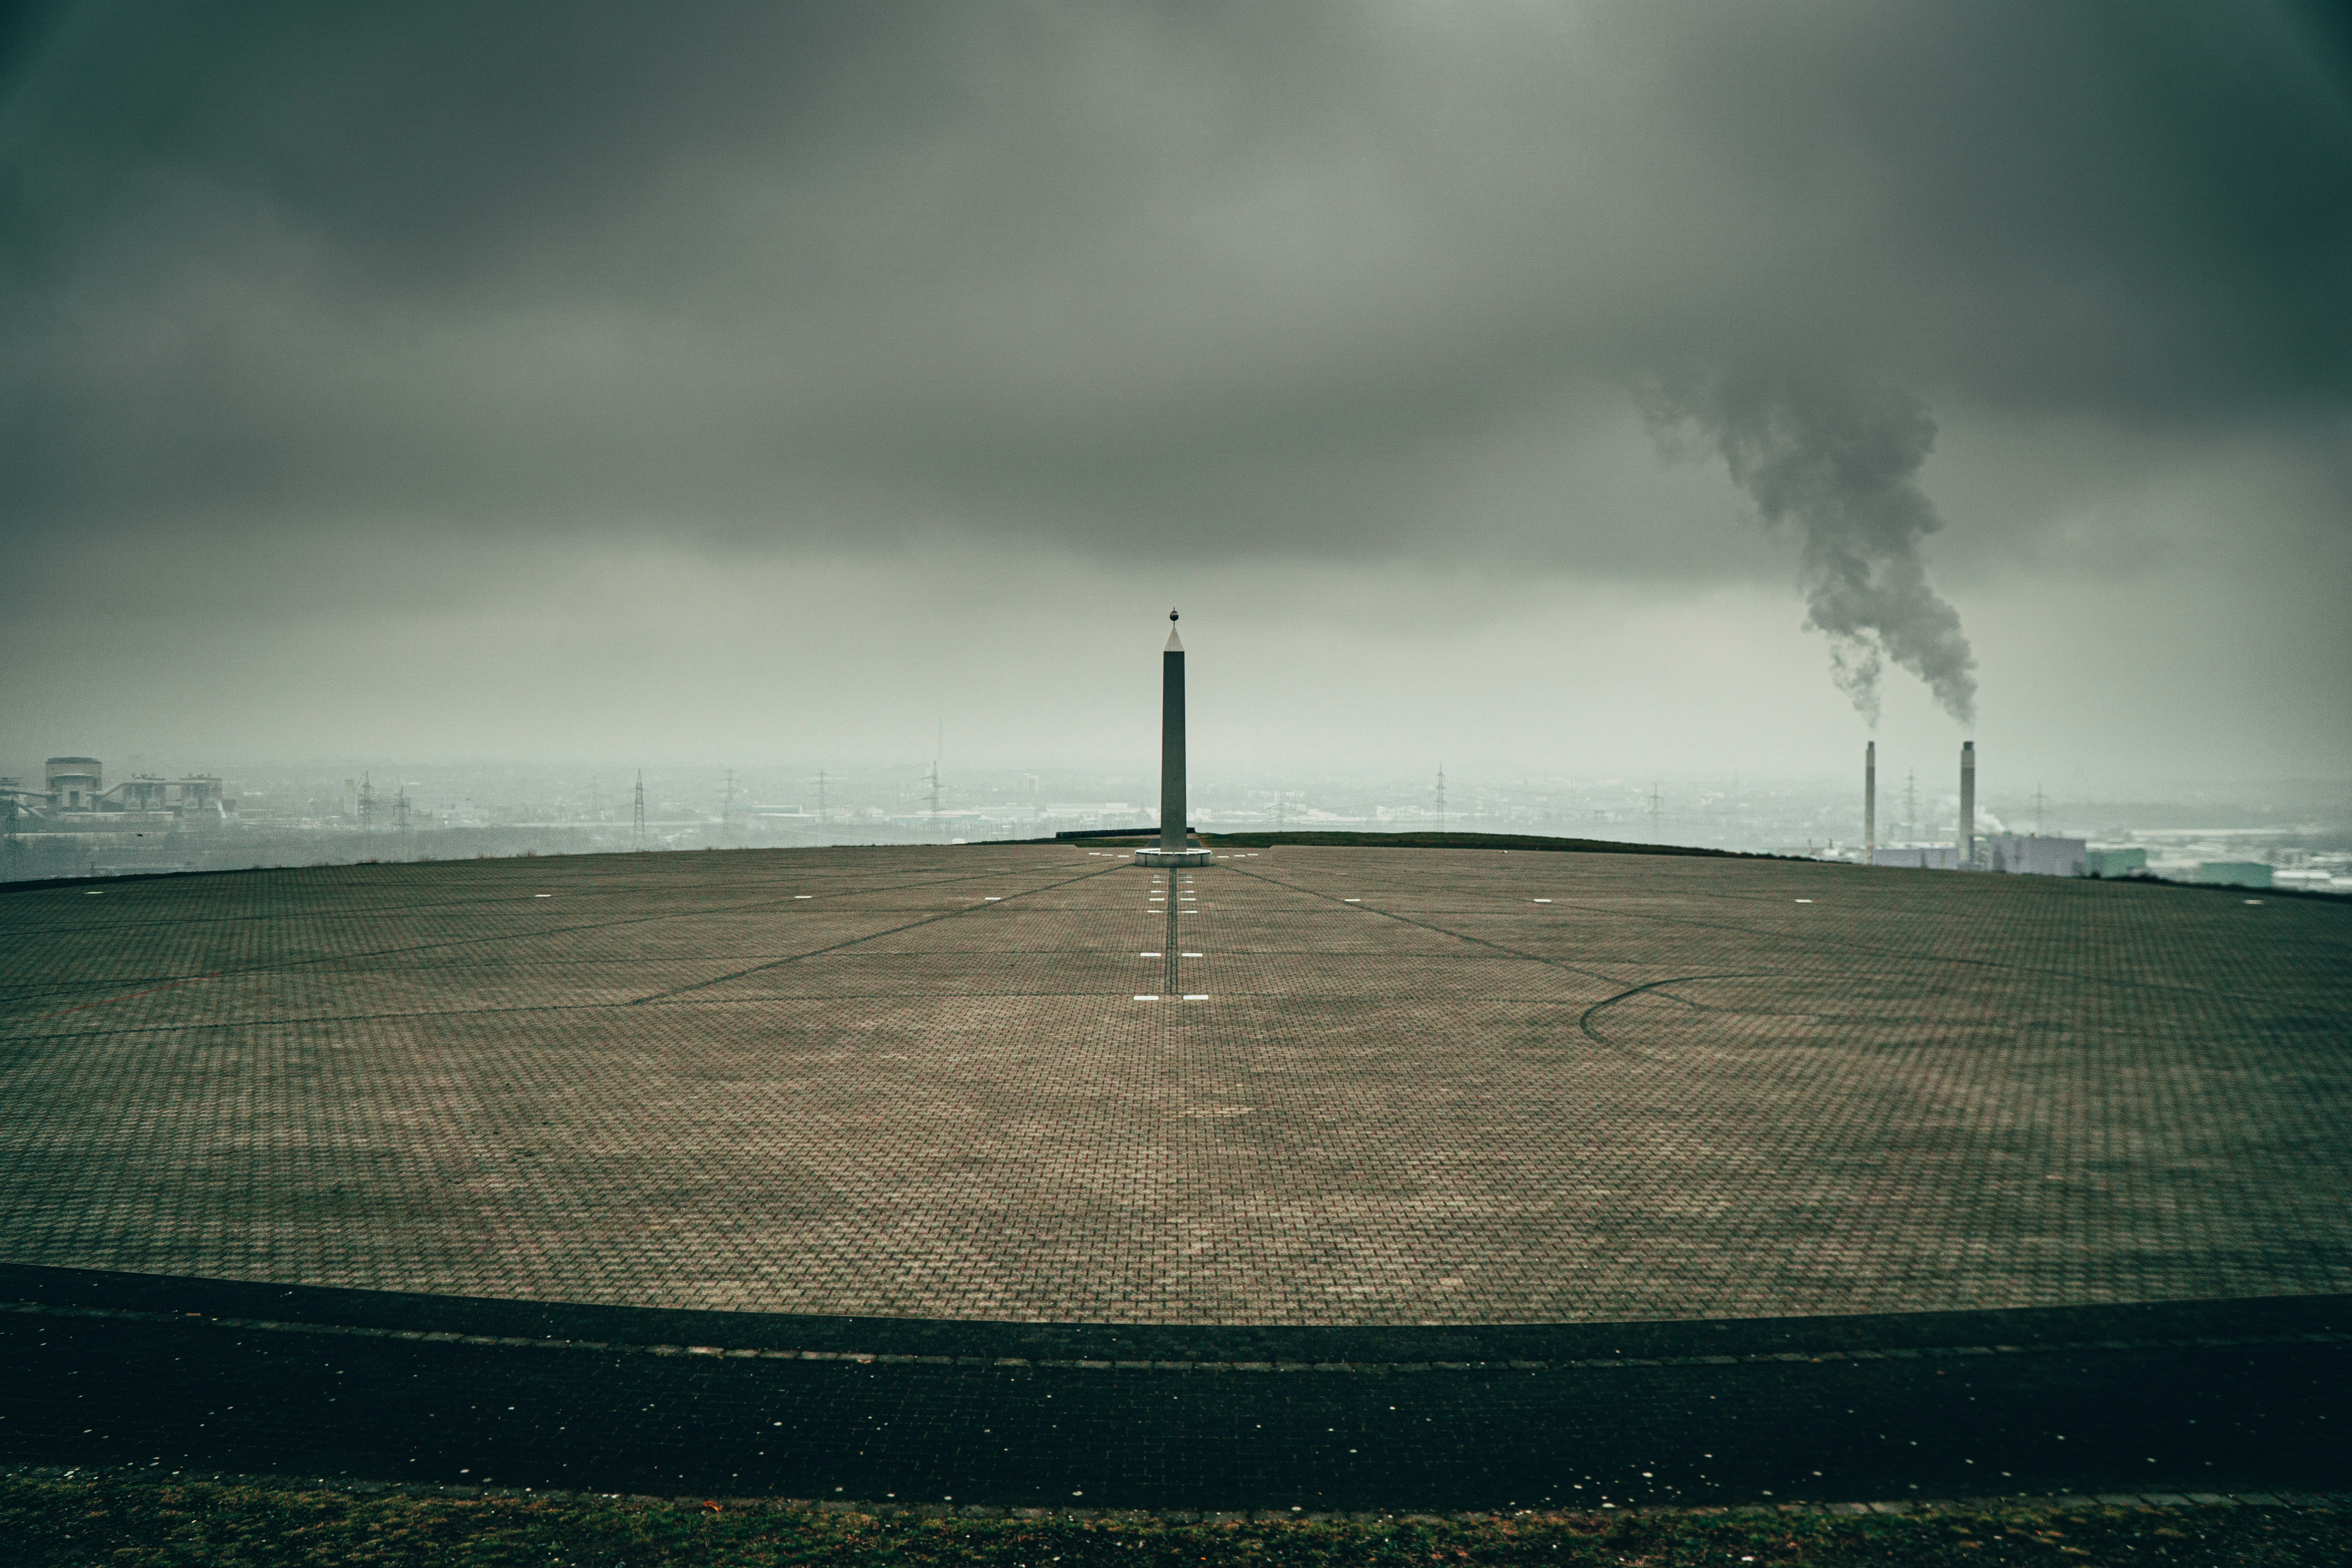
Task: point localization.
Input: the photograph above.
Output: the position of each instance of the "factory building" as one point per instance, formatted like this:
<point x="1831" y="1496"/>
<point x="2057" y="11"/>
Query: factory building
<point x="76" y="787"/>
<point x="2035" y="856"/>
<point x="198" y="795"/>
<point x="1917" y="856"/>
<point x="74" y="783"/>
<point x="2234" y="873"/>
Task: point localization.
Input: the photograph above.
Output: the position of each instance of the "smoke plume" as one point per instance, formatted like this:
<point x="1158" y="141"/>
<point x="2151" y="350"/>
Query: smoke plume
<point x="1844" y="462"/>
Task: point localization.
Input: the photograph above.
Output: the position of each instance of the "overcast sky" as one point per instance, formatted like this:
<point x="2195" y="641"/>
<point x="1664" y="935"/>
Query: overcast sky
<point x="1593" y="387"/>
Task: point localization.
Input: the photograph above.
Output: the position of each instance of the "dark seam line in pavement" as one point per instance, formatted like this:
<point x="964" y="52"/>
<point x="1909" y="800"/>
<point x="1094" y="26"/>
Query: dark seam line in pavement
<point x="1441" y="930"/>
<point x="173" y="923"/>
<point x="666" y="1000"/>
<point x="495" y="965"/>
<point x="425" y="947"/>
<point x="343" y="911"/>
<point x="7" y="1040"/>
<point x="1745" y="931"/>
<point x="1798" y="938"/>
<point x="881" y="1358"/>
<point x="1801" y="940"/>
<point x="109" y="1000"/>
<point x="598" y="888"/>
<point x="499" y="965"/>
<point x="852" y="941"/>
<point x="392" y="911"/>
<point x="830" y="996"/>
<point x="529" y="936"/>
<point x="1585" y="1022"/>
<point x="542" y="967"/>
<point x="401" y="910"/>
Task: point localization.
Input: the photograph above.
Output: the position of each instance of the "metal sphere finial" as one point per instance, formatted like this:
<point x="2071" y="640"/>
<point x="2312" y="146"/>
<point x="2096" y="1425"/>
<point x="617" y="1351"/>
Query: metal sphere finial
<point x="1171" y="615"/>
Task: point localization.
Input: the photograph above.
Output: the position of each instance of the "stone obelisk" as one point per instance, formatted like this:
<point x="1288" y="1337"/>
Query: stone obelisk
<point x="1175" y="847"/>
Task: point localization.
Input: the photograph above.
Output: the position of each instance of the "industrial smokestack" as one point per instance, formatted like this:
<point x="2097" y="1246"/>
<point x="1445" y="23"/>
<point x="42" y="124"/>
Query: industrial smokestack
<point x="1967" y="805"/>
<point x="1172" y="743"/>
<point x="1870" y="802"/>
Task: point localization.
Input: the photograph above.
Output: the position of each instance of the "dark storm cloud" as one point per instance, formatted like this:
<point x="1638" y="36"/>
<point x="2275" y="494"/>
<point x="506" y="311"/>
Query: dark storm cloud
<point x="1281" y="275"/>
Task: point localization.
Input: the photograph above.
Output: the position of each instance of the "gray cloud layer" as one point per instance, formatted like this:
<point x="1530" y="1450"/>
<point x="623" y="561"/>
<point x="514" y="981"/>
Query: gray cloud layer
<point x="1287" y="280"/>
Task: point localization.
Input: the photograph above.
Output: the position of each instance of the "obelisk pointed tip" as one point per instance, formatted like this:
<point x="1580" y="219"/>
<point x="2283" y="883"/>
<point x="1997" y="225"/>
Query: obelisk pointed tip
<point x="1175" y="643"/>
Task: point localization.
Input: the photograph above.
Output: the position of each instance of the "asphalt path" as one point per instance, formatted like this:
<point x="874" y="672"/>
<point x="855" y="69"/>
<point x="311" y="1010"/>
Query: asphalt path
<point x="130" y="1370"/>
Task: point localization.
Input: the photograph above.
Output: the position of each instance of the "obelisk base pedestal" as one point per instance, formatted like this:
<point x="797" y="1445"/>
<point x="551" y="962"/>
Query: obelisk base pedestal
<point x="1193" y="856"/>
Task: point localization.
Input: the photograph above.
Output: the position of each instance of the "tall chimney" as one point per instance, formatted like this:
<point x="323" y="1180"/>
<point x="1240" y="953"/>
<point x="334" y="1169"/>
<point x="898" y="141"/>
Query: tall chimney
<point x="1172" y="743"/>
<point x="1870" y="804"/>
<point x="1967" y="805"/>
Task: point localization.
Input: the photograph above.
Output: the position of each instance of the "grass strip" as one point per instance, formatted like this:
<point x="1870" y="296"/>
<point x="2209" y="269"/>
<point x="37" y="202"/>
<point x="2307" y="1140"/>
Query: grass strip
<point x="79" y="1522"/>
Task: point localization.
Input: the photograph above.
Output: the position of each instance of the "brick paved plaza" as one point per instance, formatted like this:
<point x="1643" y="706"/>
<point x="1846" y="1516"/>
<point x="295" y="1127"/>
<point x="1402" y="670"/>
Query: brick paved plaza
<point x="1417" y="1085"/>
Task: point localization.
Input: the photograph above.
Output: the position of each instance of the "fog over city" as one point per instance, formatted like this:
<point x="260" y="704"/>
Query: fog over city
<point x="1631" y="410"/>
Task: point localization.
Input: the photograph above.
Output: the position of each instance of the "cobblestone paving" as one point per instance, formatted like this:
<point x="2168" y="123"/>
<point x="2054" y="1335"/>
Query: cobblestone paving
<point x="1417" y="1085"/>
